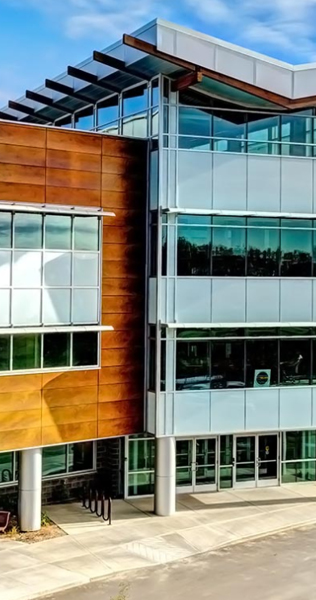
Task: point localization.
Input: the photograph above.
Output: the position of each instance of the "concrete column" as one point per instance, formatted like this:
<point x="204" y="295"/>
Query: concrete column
<point x="30" y="489"/>
<point x="165" y="489"/>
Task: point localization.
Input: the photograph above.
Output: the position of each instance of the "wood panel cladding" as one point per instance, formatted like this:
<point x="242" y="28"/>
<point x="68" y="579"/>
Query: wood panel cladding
<point x="54" y="166"/>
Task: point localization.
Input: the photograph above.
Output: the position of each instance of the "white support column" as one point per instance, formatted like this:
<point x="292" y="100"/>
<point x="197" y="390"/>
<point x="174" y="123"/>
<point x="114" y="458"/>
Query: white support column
<point x="30" y="489"/>
<point x="165" y="489"/>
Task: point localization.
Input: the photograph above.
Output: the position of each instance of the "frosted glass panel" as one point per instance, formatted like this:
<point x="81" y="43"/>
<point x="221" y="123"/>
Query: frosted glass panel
<point x="56" y="306"/>
<point x="26" y="307"/>
<point x="85" y="306"/>
<point x="27" y="269"/>
<point x="86" y="267"/>
<point x="5" y="268"/>
<point x="57" y="268"/>
<point x="4" y="307"/>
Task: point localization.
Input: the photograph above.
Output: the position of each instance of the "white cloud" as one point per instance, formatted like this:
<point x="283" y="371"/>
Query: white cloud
<point x="286" y="25"/>
<point x="273" y="26"/>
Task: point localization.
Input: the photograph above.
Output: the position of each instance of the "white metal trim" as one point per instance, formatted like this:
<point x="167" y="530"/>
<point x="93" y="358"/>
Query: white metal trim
<point x="237" y="213"/>
<point x="48" y="329"/>
<point x="11" y="205"/>
<point x="237" y="325"/>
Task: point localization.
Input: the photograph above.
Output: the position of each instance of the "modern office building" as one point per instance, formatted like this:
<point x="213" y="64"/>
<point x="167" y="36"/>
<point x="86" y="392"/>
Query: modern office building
<point x="158" y="295"/>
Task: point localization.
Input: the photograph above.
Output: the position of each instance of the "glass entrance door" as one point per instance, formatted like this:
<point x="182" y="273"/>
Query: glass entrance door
<point x="245" y="461"/>
<point x="268" y="460"/>
<point x="196" y="465"/>
<point x="256" y="462"/>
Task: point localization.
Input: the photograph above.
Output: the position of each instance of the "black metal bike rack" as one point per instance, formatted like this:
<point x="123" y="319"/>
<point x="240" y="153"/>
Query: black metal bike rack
<point x="92" y="498"/>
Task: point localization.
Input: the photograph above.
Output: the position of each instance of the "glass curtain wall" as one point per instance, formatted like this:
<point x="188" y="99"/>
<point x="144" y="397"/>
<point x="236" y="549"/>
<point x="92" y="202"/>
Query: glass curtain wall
<point x="141" y="465"/>
<point x="244" y="358"/>
<point x="206" y="124"/>
<point x="57" y="460"/>
<point x="299" y="456"/>
<point x="245" y="247"/>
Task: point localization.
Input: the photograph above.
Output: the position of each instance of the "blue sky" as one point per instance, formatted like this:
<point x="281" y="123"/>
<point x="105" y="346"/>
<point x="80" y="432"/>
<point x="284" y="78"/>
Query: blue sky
<point x="39" y="38"/>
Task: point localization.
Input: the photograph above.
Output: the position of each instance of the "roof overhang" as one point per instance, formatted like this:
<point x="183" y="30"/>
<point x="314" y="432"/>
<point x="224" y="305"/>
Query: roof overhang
<point x="191" y="59"/>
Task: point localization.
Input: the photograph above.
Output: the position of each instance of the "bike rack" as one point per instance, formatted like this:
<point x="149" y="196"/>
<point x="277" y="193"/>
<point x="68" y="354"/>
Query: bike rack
<point x="91" y="501"/>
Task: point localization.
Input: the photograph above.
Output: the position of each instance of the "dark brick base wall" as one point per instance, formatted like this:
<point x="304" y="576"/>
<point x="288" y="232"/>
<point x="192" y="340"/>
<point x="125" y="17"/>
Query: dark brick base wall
<point x="110" y="474"/>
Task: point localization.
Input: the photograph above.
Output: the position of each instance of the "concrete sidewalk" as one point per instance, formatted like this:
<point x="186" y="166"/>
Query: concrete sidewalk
<point x="138" y="538"/>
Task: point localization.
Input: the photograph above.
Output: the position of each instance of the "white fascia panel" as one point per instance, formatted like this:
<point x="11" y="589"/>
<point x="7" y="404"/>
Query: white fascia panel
<point x="61" y="329"/>
<point x="237" y="325"/>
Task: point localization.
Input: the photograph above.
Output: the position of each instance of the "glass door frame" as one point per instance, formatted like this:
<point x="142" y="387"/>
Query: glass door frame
<point x="256" y="482"/>
<point x="194" y="487"/>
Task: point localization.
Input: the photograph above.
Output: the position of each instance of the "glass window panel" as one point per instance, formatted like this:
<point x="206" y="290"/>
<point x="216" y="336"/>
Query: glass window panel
<point x="194" y="250"/>
<point x="229" y="125"/>
<point x="5" y="268"/>
<point x="141" y="455"/>
<point x="194" y="143"/>
<point x="27" y="230"/>
<point x="111" y="128"/>
<point x="298" y="472"/>
<point x="225" y="477"/>
<point x="57" y="232"/>
<point x="262" y="355"/>
<point x="86" y="269"/>
<point x="194" y="333"/>
<point x="56" y="306"/>
<point x="227" y="361"/>
<point x="85" y="348"/>
<point x="140" y="484"/>
<point x="263" y="252"/>
<point x="295" y="362"/>
<point x="6" y="467"/>
<point x="262" y="332"/>
<point x="297" y="331"/>
<point x="56" y="350"/>
<point x="155" y="92"/>
<point x="296" y="251"/>
<point x="163" y="366"/>
<point x="152" y="365"/>
<point x="85" y="305"/>
<point x="135" y="100"/>
<point x="86" y="233"/>
<point x="164" y="245"/>
<point x="299" y="445"/>
<point x="107" y="110"/>
<point x="228" y="248"/>
<point x="27" y="269"/>
<point x="4" y="353"/>
<point x="57" y="268"/>
<point x="226" y="450"/>
<point x="54" y="461"/>
<point x="295" y="128"/>
<point x="135" y="126"/>
<point x="5" y="230"/>
<point x="26" y="352"/>
<point x="228" y="332"/>
<point x="154" y="122"/>
<point x="263" y="129"/>
<point x="85" y="119"/>
<point x="31" y="299"/>
<point x="195" y="121"/>
<point x="5" y="307"/>
<point x="80" y="457"/>
<point x="193" y="366"/>
<point x="194" y="220"/>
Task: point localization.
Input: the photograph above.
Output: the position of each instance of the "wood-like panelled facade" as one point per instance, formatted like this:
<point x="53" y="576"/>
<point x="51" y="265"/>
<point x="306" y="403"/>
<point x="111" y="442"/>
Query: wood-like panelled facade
<point x="53" y="166"/>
